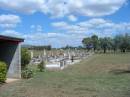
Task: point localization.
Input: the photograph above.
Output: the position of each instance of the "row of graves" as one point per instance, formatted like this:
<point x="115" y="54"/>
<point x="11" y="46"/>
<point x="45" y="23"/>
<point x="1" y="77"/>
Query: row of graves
<point x="59" y="59"/>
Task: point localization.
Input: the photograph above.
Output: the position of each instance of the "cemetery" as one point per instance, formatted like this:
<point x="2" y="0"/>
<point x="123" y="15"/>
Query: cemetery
<point x="59" y="60"/>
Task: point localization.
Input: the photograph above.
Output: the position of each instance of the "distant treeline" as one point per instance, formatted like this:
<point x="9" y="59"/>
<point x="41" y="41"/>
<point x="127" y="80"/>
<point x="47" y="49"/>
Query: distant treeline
<point x="117" y="43"/>
<point x="72" y="48"/>
<point x="48" y="47"/>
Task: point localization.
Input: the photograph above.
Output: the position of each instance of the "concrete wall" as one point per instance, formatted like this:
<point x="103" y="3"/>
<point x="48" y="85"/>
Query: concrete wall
<point x="11" y="53"/>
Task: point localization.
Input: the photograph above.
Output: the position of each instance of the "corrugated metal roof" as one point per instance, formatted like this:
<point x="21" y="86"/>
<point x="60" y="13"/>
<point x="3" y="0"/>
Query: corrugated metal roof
<point x="9" y="38"/>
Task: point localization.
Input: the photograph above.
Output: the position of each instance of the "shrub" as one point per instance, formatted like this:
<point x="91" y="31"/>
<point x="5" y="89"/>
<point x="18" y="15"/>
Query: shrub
<point x="3" y="72"/>
<point x="41" y="66"/>
<point x="27" y="73"/>
<point x="25" y="57"/>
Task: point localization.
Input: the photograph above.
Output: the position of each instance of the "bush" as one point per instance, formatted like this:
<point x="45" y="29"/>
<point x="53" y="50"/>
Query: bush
<point x="25" y="57"/>
<point x="3" y="72"/>
<point x="41" y="66"/>
<point x="27" y="73"/>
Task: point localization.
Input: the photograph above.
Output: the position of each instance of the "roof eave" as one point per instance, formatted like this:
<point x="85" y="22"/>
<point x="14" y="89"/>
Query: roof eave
<point x="9" y="38"/>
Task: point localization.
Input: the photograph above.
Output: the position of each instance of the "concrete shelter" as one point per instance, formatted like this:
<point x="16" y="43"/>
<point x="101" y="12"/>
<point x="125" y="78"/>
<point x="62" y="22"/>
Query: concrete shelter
<point x="10" y="53"/>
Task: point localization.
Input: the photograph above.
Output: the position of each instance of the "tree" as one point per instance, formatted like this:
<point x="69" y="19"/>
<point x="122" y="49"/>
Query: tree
<point x="25" y="58"/>
<point x="117" y="41"/>
<point x="121" y="42"/>
<point x="95" y="41"/>
<point x="87" y="42"/>
<point x="104" y="42"/>
<point x="125" y="42"/>
<point x="48" y="47"/>
<point x="109" y="43"/>
<point x="41" y="66"/>
<point x="3" y="72"/>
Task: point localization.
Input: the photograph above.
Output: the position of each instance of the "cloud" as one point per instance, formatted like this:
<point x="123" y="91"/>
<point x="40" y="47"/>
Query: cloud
<point x="93" y="26"/>
<point x="61" y="25"/>
<point x="54" y="39"/>
<point x="25" y="6"/>
<point x="95" y="7"/>
<point x="50" y="38"/>
<point x="12" y="33"/>
<point x="9" y="20"/>
<point x="71" y="34"/>
<point x="72" y="18"/>
<point x="61" y="8"/>
<point x="42" y="38"/>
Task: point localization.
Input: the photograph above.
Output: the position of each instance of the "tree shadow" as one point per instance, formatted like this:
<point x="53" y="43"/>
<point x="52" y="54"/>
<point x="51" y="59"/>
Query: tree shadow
<point x="126" y="92"/>
<point x="120" y="71"/>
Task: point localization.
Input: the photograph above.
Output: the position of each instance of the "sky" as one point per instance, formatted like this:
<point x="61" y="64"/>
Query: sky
<point x="63" y="22"/>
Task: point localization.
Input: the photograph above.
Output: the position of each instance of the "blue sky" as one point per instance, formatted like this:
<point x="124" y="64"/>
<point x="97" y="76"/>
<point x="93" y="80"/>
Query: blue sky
<point x="60" y="22"/>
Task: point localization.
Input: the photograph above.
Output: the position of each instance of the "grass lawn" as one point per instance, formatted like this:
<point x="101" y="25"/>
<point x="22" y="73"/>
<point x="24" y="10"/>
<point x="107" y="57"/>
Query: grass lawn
<point x="103" y="75"/>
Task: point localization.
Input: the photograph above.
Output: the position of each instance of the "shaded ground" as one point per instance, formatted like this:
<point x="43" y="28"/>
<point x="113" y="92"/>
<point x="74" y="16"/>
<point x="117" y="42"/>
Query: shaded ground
<point x="100" y="76"/>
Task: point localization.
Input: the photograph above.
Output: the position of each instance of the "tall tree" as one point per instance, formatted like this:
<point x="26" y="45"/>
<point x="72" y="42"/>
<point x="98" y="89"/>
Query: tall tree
<point x="25" y="57"/>
<point x="124" y="43"/>
<point x="104" y="42"/>
<point x="117" y="41"/>
<point x="121" y="42"/>
<point x="95" y="41"/>
<point x="87" y="42"/>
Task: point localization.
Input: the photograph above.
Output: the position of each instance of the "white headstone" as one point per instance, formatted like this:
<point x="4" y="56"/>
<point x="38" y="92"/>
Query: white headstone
<point x="31" y="54"/>
<point x="44" y="52"/>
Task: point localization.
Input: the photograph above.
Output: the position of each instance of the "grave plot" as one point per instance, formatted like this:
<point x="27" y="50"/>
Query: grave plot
<point x="59" y="59"/>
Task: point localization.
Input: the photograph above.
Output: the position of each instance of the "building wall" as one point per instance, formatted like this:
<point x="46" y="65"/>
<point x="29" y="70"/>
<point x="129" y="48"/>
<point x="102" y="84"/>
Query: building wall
<point x="11" y="53"/>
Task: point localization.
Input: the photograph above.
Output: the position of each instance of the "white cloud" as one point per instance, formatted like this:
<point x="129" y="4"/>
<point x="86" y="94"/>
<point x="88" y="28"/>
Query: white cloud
<point x="50" y="38"/>
<point x="95" y="25"/>
<point x="95" y="7"/>
<point x="26" y="6"/>
<point x="71" y="34"/>
<point x="36" y="28"/>
<point x="54" y="39"/>
<point x="12" y="33"/>
<point x="60" y="25"/>
<point x="72" y="18"/>
<point x="39" y="28"/>
<point x="60" y="8"/>
<point x="9" y="20"/>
